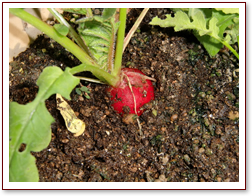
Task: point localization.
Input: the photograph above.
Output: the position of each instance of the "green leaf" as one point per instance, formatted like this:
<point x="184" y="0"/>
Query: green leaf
<point x="233" y="31"/>
<point x="213" y="26"/>
<point x="99" y="42"/>
<point x="211" y="45"/>
<point x="76" y="10"/>
<point x="208" y="25"/>
<point x="209" y="42"/>
<point x="108" y="13"/>
<point x="30" y="124"/>
<point x="229" y="10"/>
<point x="173" y="21"/>
<point x="61" y="29"/>
<point x="96" y="32"/>
<point x="78" y="91"/>
<point x="199" y="21"/>
<point x="99" y="34"/>
<point x="85" y="89"/>
<point x="224" y="20"/>
<point x="87" y="96"/>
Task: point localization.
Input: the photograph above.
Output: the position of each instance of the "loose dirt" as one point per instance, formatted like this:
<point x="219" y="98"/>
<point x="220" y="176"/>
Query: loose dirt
<point x="190" y="131"/>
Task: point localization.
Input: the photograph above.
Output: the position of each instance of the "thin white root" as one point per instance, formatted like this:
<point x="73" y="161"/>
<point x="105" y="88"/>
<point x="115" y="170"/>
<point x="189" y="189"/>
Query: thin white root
<point x="90" y="79"/>
<point x="131" y="92"/>
<point x="149" y="78"/>
<point x="138" y="122"/>
<point x="140" y="127"/>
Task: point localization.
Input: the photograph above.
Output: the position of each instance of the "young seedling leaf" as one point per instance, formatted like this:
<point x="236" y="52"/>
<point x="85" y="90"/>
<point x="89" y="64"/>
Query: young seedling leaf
<point x="30" y="124"/>
<point x="78" y="91"/>
<point x="85" y="89"/>
<point x="62" y="29"/>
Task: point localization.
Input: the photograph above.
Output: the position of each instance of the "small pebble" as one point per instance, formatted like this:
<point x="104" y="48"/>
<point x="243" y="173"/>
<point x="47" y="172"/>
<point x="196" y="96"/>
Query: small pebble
<point x="133" y="169"/>
<point x="59" y="175"/>
<point x="201" y="150"/>
<point x="163" y="129"/>
<point x="218" y="179"/>
<point x="129" y="118"/>
<point x="184" y="114"/>
<point x="209" y="152"/>
<point x="187" y="158"/>
<point x="81" y="98"/>
<point x="196" y="141"/>
<point x="174" y="117"/>
<point x="107" y="112"/>
<point x="218" y="130"/>
<point x="232" y="115"/>
<point x="165" y="159"/>
<point x="162" y="178"/>
<point x="65" y="141"/>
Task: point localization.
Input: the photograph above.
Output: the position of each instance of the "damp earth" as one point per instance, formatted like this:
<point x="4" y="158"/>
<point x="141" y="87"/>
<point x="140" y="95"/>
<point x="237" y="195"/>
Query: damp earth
<point x="190" y="131"/>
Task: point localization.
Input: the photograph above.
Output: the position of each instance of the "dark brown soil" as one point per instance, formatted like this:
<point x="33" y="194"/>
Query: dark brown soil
<point x="190" y="131"/>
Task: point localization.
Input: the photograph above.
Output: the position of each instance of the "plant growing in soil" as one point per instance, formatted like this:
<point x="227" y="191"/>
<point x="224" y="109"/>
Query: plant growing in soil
<point x="94" y="47"/>
<point x="212" y="27"/>
<point x="83" y="91"/>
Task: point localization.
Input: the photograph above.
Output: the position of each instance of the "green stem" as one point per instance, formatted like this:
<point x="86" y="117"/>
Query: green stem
<point x="134" y="28"/>
<point x="51" y="32"/>
<point x="231" y="49"/>
<point x="227" y="45"/>
<point x="72" y="32"/>
<point x="119" y="43"/>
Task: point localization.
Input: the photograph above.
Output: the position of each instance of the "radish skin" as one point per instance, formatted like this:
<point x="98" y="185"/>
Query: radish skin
<point x="133" y="85"/>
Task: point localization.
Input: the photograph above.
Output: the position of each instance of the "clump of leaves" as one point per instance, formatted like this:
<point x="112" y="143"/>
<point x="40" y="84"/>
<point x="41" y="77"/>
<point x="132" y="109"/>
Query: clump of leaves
<point x="99" y="33"/>
<point x="83" y="91"/>
<point x="213" y="27"/>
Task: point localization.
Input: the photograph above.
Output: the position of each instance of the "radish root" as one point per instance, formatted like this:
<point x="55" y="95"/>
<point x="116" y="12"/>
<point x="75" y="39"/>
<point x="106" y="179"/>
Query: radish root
<point x="138" y="122"/>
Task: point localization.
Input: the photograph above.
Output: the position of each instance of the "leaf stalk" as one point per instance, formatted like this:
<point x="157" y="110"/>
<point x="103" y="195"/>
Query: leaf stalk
<point x="119" y="42"/>
<point x="52" y="33"/>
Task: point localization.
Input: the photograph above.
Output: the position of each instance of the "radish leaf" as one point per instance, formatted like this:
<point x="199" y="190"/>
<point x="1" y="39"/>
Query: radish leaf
<point x="208" y="25"/>
<point x="229" y="10"/>
<point x="108" y="13"/>
<point x="99" y="34"/>
<point x="30" y="124"/>
<point x="76" y="10"/>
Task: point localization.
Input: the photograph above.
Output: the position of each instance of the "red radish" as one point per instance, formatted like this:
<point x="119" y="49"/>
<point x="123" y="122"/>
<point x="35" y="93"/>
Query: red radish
<point x="122" y="95"/>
